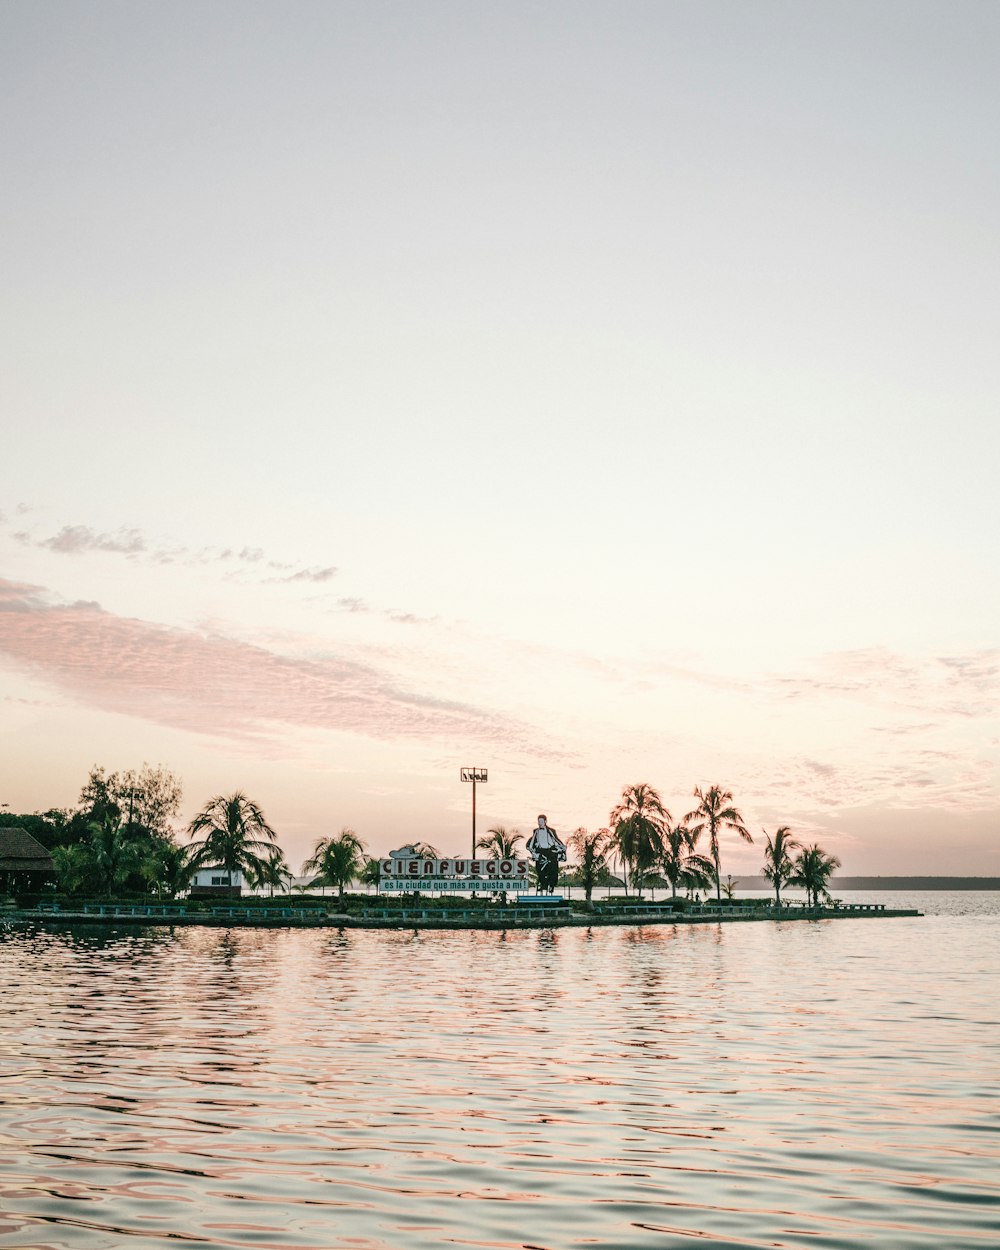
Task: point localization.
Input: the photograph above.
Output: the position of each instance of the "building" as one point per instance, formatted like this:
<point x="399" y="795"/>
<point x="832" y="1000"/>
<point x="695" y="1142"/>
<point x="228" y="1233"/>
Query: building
<point x="24" y="863"/>
<point x="212" y="881"/>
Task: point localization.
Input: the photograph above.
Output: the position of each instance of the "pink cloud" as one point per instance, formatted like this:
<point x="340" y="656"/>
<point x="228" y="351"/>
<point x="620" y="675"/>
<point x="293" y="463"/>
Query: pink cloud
<point x="212" y="684"/>
<point x="965" y="686"/>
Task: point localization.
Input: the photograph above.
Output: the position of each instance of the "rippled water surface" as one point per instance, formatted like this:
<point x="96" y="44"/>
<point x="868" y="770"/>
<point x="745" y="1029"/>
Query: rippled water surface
<point x="821" y="1084"/>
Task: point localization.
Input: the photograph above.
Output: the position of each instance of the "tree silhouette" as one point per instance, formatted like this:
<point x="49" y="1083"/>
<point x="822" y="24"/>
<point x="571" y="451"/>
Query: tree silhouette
<point x="812" y="870"/>
<point x="715" y="812"/>
<point x="236" y="836"/>
<point x="637" y="825"/>
<point x="338" y="860"/>
<point x="778" y="866"/>
<point x="592" y="851"/>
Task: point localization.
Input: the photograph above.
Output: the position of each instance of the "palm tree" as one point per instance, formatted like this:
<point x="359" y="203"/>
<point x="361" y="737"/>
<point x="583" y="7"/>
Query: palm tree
<point x="74" y="867"/>
<point x="274" y="871"/>
<point x="592" y="850"/>
<point x="338" y="860"/>
<point x="371" y="873"/>
<point x="778" y="865"/>
<point x="680" y="861"/>
<point x="715" y="812"/>
<point x="812" y="869"/>
<point x="169" y="869"/>
<point x="236" y="836"/>
<point x="424" y="850"/>
<point x="500" y="844"/>
<point x="638" y="824"/>
<point x="116" y="854"/>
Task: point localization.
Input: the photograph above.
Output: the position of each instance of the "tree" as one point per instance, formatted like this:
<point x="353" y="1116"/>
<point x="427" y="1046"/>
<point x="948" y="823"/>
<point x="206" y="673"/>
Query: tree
<point x="637" y="825"/>
<point x="149" y="798"/>
<point x="371" y="873"/>
<point x="680" y="860"/>
<point x="74" y="868"/>
<point x="116" y="853"/>
<point x="591" y="848"/>
<point x="424" y="850"/>
<point x="273" y="872"/>
<point x="812" y="870"/>
<point x="499" y="843"/>
<point x="778" y="865"/>
<point x="169" y="869"/>
<point x="338" y="859"/>
<point x="45" y="827"/>
<point x="235" y="835"/>
<point x="715" y="812"/>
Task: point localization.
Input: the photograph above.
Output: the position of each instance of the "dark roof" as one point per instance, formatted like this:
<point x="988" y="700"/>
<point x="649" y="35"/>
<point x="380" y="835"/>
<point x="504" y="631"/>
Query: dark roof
<point x="20" y="852"/>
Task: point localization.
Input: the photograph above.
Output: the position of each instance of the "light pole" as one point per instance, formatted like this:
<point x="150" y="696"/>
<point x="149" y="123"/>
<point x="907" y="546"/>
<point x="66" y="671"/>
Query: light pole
<point x="474" y="775"/>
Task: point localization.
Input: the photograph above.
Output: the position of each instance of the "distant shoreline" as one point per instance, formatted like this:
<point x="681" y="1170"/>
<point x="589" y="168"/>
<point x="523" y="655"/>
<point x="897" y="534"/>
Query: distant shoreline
<point x="886" y="883"/>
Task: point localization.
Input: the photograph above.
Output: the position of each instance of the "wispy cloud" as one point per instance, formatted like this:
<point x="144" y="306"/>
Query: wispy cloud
<point x="80" y="540"/>
<point x="77" y="539"/>
<point x="216" y="685"/>
<point x="308" y="575"/>
<point x="966" y="686"/>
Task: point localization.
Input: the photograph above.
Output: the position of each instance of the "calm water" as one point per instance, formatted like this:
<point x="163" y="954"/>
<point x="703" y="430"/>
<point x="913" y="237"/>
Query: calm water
<point x="827" y="1084"/>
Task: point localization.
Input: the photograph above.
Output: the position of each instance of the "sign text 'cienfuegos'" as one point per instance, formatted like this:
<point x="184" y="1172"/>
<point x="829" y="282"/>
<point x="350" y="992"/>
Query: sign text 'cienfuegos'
<point x="402" y="871"/>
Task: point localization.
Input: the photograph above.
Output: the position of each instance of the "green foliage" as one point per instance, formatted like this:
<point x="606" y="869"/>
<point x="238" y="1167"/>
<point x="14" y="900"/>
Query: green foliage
<point x="75" y="869"/>
<point x="113" y="856"/>
<point x="338" y="860"/>
<point x="371" y="873"/>
<point x="48" y="828"/>
<point x="149" y="798"/>
<point x="236" y="836"/>
<point x="169" y="869"/>
<point x="500" y="843"/>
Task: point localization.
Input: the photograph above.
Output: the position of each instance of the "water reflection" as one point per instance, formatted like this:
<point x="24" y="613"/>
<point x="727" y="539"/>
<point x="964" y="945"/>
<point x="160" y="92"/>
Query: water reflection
<point x="754" y="1085"/>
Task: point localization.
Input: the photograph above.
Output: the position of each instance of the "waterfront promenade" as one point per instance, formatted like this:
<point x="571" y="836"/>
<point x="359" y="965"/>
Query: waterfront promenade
<point x="523" y="915"/>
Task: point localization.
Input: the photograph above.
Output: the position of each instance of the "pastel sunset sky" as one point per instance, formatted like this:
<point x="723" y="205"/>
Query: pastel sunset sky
<point x="593" y="392"/>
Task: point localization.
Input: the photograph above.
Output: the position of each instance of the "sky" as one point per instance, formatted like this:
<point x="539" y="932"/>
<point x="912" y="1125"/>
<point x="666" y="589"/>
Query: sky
<point x="597" y="393"/>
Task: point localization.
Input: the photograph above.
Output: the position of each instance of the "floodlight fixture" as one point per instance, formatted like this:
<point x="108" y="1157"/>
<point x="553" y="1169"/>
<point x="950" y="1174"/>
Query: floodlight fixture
<point x="477" y="776"/>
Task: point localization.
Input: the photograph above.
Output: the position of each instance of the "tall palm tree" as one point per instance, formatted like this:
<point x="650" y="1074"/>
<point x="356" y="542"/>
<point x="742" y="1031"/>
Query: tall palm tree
<point x="715" y="812"/>
<point x="812" y="870"/>
<point x="235" y="835"/>
<point x="592" y="850"/>
<point x="681" y="862"/>
<point x="338" y="859"/>
<point x="500" y="843"/>
<point x="637" y="825"/>
<point x="778" y="865"/>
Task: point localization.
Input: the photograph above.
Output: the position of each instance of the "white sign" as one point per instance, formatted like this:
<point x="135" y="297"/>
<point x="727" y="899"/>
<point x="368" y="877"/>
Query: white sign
<point x="403" y="872"/>
<point x="451" y="885"/>
<point x="415" y="867"/>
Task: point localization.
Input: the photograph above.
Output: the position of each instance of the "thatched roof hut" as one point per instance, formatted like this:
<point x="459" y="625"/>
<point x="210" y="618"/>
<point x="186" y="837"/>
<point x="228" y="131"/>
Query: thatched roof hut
<point x="20" y="852"/>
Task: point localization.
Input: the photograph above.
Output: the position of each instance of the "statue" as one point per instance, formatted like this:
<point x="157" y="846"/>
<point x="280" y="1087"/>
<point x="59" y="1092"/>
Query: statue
<point x="546" y="849"/>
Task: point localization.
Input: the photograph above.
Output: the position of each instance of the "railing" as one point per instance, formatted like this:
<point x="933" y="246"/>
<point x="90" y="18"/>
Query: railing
<point x="488" y="915"/>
